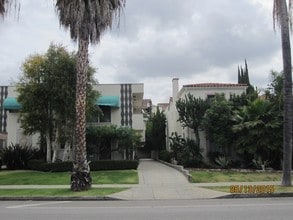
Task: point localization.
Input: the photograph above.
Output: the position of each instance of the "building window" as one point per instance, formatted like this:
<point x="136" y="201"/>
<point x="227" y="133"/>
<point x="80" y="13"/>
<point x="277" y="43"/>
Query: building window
<point x="106" y="116"/>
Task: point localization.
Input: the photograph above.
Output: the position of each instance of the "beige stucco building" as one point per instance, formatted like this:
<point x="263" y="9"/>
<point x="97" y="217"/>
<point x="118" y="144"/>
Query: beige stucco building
<point x="201" y="90"/>
<point x="121" y="105"/>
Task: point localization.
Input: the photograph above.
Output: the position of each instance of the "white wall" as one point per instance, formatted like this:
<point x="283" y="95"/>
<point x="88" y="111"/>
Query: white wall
<point x="12" y="127"/>
<point x="14" y="132"/>
<point x="115" y="90"/>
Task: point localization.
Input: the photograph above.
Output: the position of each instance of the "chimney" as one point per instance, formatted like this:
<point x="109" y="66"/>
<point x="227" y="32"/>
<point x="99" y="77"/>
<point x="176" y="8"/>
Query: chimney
<point x="175" y="87"/>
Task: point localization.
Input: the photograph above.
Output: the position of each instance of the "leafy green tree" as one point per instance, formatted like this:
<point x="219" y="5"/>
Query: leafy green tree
<point x="128" y="140"/>
<point x="274" y="92"/>
<point x="148" y="136"/>
<point x="47" y="95"/>
<point x="191" y="113"/>
<point x="35" y="100"/>
<point x="218" y="124"/>
<point x="282" y="16"/>
<point x="86" y="20"/>
<point x="100" y="139"/>
<point x="156" y="131"/>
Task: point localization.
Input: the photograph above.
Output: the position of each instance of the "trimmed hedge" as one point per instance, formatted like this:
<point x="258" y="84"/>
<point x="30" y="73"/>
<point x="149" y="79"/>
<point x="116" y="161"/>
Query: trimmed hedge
<point x="114" y="165"/>
<point x="40" y="165"/>
<point x="94" y="165"/>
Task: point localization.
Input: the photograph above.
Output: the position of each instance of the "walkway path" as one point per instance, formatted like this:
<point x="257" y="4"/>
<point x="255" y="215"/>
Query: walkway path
<point x="158" y="181"/>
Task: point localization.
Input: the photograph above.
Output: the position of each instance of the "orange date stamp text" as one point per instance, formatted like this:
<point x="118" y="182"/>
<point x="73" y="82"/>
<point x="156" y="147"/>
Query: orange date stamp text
<point x="252" y="189"/>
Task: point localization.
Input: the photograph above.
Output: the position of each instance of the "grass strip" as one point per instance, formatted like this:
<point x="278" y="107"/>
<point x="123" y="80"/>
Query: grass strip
<point x="58" y="192"/>
<point x="233" y="176"/>
<point x="63" y="178"/>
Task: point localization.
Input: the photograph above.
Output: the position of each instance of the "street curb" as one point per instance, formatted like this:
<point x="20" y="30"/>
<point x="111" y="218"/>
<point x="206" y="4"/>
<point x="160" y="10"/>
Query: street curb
<point x="262" y="195"/>
<point x="58" y="198"/>
<point x="179" y="168"/>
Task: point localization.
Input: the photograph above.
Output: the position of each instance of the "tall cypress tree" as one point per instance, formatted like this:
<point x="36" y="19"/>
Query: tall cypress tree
<point x="243" y="78"/>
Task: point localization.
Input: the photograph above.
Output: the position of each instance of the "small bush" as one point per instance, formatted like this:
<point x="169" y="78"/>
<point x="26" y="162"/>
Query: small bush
<point x="113" y="165"/>
<point x="94" y="166"/>
<point x="223" y="162"/>
<point x="260" y="164"/>
<point x="186" y="151"/>
<point x="165" y="156"/>
<point x="17" y="156"/>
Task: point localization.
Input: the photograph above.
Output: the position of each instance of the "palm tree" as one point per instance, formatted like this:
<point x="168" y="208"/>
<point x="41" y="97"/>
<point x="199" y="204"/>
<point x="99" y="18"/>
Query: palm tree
<point x="86" y="20"/>
<point x="282" y="16"/>
<point x="257" y="130"/>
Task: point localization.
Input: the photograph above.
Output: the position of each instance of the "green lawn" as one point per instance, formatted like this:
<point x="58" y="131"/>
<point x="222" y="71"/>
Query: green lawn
<point x="233" y="176"/>
<point x="63" y="178"/>
<point x="58" y="192"/>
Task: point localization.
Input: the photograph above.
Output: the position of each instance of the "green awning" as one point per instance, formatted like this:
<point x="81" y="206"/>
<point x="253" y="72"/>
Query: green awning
<point x="11" y="103"/>
<point x="111" y="101"/>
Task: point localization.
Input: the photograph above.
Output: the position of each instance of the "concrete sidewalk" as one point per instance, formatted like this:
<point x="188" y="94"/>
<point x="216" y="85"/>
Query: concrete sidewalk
<point x="158" y="181"/>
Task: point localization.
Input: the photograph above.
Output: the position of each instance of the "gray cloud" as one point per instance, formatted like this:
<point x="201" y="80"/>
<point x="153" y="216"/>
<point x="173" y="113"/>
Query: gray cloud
<point x="189" y="38"/>
<point x="157" y="40"/>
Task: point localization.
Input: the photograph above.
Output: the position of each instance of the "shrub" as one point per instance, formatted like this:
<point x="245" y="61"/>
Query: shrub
<point x="17" y="156"/>
<point x="186" y="151"/>
<point x="223" y="162"/>
<point x="41" y="165"/>
<point x="94" y="166"/>
<point x="260" y="164"/>
<point x="191" y="154"/>
<point x="165" y="156"/>
<point x="113" y="165"/>
<point x="212" y="156"/>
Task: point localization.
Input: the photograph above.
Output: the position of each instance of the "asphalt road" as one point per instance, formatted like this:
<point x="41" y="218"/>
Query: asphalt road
<point x="267" y="208"/>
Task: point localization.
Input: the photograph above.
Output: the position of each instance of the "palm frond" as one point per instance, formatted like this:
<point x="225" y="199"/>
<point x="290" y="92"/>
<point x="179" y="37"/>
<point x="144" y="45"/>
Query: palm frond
<point x="88" y="19"/>
<point x="6" y="5"/>
<point x="2" y="7"/>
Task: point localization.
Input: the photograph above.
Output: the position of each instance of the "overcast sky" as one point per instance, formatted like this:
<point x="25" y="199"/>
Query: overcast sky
<point x="196" y="41"/>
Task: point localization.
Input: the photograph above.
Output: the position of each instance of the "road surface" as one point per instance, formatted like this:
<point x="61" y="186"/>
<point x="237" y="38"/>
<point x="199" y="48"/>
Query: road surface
<point x="266" y="208"/>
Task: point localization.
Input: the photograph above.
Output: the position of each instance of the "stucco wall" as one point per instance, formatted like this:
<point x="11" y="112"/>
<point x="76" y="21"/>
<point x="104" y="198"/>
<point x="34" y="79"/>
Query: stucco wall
<point x="198" y="92"/>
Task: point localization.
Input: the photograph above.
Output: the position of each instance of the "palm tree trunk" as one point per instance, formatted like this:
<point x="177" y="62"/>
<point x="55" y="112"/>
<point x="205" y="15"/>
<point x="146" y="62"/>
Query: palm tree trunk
<point x="287" y="126"/>
<point x="80" y="178"/>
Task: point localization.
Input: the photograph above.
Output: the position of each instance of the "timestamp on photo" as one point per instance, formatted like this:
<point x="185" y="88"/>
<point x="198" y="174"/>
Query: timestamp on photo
<point x="252" y="189"/>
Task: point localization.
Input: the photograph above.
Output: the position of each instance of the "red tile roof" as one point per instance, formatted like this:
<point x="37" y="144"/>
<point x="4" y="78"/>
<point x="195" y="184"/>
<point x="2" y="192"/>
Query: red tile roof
<point x="217" y="85"/>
